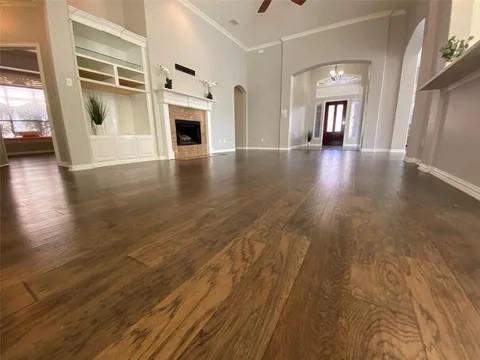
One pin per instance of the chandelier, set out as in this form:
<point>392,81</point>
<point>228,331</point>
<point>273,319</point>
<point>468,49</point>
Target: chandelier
<point>336,74</point>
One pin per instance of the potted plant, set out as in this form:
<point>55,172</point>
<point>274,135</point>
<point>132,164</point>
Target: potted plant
<point>454,48</point>
<point>309,137</point>
<point>97,110</point>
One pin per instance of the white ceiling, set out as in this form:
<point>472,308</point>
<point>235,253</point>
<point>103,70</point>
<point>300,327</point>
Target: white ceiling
<point>283,17</point>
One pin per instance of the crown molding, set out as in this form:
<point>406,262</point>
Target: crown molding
<point>348,22</point>
<point>264,45</point>
<point>229,35</point>
<point>212,22</point>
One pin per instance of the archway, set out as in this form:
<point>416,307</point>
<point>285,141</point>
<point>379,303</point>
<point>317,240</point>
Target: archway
<point>240,110</point>
<point>408,88</point>
<point>313,90</point>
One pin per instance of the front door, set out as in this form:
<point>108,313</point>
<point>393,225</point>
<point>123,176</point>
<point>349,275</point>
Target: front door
<point>334,123</point>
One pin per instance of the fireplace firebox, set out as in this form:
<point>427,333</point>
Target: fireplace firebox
<point>188,132</point>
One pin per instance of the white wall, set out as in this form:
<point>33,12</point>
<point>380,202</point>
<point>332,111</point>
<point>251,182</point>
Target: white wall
<point>177,35</point>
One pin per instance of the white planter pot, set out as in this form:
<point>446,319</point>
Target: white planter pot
<point>99,130</point>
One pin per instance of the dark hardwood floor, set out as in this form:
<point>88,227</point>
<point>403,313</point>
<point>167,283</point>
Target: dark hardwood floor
<point>254,255</point>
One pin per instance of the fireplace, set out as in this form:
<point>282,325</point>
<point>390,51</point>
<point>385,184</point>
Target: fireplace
<point>188,132</point>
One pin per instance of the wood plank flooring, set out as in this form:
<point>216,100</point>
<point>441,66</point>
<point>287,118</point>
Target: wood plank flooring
<point>253,255</point>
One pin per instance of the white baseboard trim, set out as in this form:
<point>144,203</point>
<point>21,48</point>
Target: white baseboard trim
<point>259,148</point>
<point>460,184</point>
<point>63,164</point>
<point>374,150</point>
<point>110,163</point>
<point>397,151</point>
<point>219,151</point>
<point>412,160</point>
<point>425,168</point>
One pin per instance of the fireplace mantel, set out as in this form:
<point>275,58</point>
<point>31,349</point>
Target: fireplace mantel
<point>166,97</point>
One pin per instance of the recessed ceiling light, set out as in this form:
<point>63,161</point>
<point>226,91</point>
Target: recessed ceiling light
<point>233,22</point>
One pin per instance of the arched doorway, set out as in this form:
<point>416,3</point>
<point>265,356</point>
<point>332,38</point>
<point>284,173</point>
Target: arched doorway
<point>408,88</point>
<point>240,106</point>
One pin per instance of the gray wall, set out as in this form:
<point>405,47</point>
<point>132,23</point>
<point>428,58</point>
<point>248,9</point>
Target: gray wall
<point>127,13</point>
<point>263,94</point>
<point>240,99</point>
<point>444,133</point>
<point>176,35</point>
<point>60,40</point>
<point>3,153</point>
<point>379,41</point>
<point>458,144</point>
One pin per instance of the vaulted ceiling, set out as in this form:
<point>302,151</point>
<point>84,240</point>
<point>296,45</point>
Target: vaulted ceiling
<point>283,17</point>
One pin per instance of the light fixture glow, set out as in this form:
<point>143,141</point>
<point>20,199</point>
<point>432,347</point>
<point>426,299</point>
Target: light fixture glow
<point>336,74</point>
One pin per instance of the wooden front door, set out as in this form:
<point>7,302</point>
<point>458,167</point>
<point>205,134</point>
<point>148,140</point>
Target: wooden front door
<point>334,123</point>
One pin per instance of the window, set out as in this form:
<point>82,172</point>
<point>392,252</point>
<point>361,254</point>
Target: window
<point>339,118</point>
<point>23,110</point>
<point>331,112</point>
<point>318,121</point>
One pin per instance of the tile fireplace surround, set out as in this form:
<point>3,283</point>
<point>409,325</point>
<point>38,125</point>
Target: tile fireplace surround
<point>173,105</point>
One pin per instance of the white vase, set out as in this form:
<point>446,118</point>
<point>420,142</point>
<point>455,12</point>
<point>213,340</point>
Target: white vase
<point>99,130</point>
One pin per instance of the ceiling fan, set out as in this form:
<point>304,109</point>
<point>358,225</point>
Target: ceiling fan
<point>266,4</point>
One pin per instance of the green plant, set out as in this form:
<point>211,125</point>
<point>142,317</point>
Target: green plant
<point>309,135</point>
<point>454,47</point>
<point>97,109</point>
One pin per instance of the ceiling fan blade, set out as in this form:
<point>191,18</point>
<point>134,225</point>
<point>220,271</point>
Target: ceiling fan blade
<point>264,6</point>
<point>299,2</point>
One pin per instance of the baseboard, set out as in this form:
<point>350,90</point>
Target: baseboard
<point>259,148</point>
<point>110,163</point>
<point>462,185</point>
<point>63,164</point>
<point>35,152</point>
<point>219,151</point>
<point>425,168</point>
<point>3,165</point>
<point>412,160</point>
<point>374,150</point>
<point>397,151</point>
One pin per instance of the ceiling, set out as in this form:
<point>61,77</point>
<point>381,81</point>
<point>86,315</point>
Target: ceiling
<point>283,17</point>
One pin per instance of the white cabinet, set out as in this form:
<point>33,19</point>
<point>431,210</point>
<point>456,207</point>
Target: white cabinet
<point>122,149</point>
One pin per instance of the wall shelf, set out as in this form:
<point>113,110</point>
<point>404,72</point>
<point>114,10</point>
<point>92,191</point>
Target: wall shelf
<point>467,64</point>
<point>8,68</point>
<point>104,86</point>
<point>94,74</point>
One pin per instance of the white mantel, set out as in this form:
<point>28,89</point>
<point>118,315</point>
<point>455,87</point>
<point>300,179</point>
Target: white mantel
<point>166,97</point>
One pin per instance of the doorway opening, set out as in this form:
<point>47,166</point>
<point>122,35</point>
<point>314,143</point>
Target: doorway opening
<point>408,89</point>
<point>339,88</point>
<point>240,110</point>
<point>334,123</point>
<point>24,118</point>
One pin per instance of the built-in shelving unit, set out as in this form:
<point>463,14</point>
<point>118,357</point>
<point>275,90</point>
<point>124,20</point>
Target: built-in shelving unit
<point>111,63</point>
<point>467,64</point>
